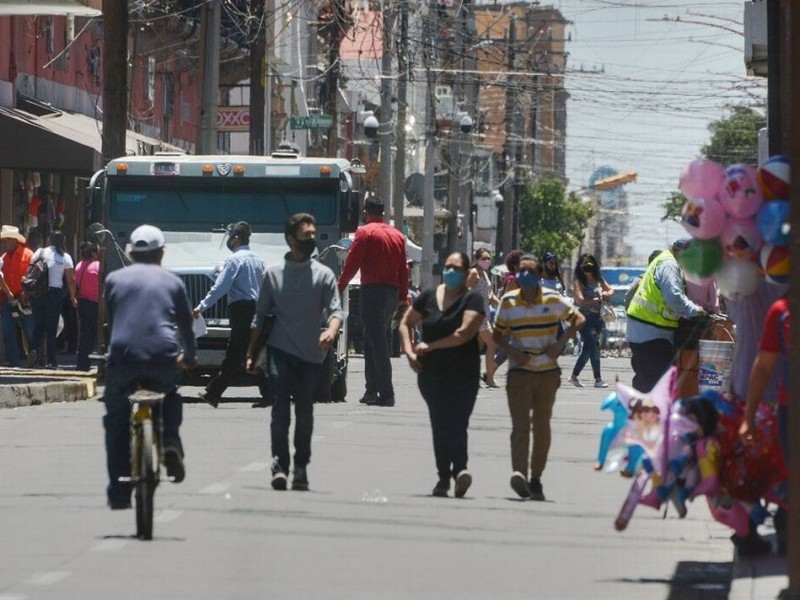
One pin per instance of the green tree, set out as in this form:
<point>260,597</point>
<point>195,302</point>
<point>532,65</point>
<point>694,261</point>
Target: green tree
<point>734,139</point>
<point>673,207</point>
<point>550,219</point>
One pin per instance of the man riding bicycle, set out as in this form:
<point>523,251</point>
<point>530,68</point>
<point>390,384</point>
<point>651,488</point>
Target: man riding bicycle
<point>145,304</point>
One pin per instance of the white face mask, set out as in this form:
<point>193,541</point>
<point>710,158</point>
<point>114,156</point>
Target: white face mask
<point>484,264</point>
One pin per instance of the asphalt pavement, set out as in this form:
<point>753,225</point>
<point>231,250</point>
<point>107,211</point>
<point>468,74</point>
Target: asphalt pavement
<point>368,528</point>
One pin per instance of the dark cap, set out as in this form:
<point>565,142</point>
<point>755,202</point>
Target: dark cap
<point>549,256</point>
<point>681,244</point>
<point>242,229</point>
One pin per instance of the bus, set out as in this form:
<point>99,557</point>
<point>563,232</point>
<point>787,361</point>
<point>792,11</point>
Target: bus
<point>195,199</point>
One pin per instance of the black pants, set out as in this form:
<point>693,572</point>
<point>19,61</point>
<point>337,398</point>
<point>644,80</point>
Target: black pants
<point>378,303</point>
<point>240,315</point>
<point>87,331</point>
<point>46,311</point>
<point>650,360</point>
<point>450,399</point>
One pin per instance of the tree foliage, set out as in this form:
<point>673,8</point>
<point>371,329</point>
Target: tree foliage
<point>734,139</point>
<point>550,219</point>
<point>673,207</point>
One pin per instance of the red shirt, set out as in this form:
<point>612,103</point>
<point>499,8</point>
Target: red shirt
<point>379,250</point>
<point>776,339</point>
<point>14,267</point>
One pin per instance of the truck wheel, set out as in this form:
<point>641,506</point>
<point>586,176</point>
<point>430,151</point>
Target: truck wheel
<point>327,372</point>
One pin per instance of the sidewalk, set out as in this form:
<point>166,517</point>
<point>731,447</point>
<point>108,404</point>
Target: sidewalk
<point>31,387</point>
<point>761,577</point>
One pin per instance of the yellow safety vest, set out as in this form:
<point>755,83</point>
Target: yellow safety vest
<point>648,304</point>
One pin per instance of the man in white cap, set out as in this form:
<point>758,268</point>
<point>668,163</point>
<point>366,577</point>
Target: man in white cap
<point>144,305</point>
<point>15,260</point>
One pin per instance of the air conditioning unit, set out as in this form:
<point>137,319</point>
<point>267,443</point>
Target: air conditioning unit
<point>755,37</point>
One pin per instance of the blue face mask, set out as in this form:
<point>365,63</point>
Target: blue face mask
<point>527,280</point>
<point>453,278</point>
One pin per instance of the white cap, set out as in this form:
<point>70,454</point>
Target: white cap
<point>146,238</point>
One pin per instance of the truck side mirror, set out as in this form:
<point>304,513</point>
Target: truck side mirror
<point>350,211</point>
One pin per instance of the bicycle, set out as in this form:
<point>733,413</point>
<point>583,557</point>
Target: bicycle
<point>146,457</point>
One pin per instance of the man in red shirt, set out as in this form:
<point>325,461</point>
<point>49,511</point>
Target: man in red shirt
<point>379,250</point>
<point>16,258</point>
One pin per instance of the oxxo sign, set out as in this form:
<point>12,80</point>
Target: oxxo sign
<point>233,118</point>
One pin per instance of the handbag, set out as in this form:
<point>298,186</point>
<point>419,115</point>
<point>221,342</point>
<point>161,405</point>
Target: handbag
<point>261,354</point>
<point>607,313</point>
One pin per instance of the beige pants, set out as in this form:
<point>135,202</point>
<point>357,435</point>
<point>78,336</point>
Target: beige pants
<point>530,401</point>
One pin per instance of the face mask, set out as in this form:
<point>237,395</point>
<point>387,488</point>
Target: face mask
<point>484,264</point>
<point>307,247</point>
<point>588,268</point>
<point>527,280</point>
<point>453,278</point>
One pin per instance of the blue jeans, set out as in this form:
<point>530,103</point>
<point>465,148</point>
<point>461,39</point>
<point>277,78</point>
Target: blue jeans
<point>87,331</point>
<point>591,346</point>
<point>292,379</point>
<point>46,311</point>
<point>10,328</point>
<point>450,398</point>
<point>120,381</point>
<point>378,303</point>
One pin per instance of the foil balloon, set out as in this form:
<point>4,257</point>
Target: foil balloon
<point>740,239</point>
<point>770,222</point>
<point>774,177</point>
<point>740,195</point>
<point>737,278</point>
<point>702,178</point>
<point>703,218</point>
<point>776,263</point>
<point>701,258</point>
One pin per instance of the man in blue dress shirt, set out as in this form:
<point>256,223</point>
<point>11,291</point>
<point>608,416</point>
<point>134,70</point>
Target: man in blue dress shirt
<point>240,279</point>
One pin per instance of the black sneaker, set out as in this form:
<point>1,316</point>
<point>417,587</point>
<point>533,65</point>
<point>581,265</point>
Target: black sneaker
<point>119,504</point>
<point>279,479</point>
<point>210,398</point>
<point>369,398</point>
<point>441,488</point>
<point>379,401</point>
<point>751,545</point>
<point>519,485</point>
<point>535,487</point>
<point>173,461</point>
<point>463,481</point>
<point>300,480</point>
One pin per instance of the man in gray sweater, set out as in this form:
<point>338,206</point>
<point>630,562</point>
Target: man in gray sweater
<point>301,294</point>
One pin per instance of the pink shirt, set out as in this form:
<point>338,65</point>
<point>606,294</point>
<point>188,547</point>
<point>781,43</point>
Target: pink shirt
<point>87,278</point>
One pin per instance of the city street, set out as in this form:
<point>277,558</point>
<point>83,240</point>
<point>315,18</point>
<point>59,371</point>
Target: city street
<point>368,528</point>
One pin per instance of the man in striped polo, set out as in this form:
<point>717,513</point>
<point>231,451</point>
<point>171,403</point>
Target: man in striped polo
<point>526,327</point>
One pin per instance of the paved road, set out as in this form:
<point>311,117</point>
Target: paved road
<point>224,533</point>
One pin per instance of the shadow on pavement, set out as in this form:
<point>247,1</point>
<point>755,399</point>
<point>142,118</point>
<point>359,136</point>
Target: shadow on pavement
<point>695,581</point>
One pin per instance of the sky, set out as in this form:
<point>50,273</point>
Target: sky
<point>644,89</point>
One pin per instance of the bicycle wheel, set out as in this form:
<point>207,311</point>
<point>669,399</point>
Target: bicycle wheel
<point>145,481</point>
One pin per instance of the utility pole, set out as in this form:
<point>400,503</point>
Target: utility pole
<point>398,194</point>
<point>333,37</point>
<point>209,76</point>
<point>470,86</point>
<point>454,187</point>
<point>385,114</point>
<point>428,206</point>
<point>509,151</point>
<point>258,75</point>
<point>115,78</point>
<point>788,23</point>
<point>269,52</point>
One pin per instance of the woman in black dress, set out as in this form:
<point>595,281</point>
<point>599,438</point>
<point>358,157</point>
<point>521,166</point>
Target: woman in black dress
<point>447,361</point>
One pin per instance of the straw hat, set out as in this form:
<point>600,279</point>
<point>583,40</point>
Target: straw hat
<point>11,233</point>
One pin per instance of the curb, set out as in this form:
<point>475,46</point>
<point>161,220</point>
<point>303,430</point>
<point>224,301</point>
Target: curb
<point>45,392</point>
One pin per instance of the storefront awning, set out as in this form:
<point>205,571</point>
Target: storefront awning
<point>46,7</point>
<point>60,142</point>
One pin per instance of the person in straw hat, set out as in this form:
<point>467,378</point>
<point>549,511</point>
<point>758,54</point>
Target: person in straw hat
<point>15,260</point>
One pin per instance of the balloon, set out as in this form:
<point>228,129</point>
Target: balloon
<point>740,195</point>
<point>776,262</point>
<point>740,239</point>
<point>703,218</point>
<point>770,221</point>
<point>774,177</point>
<point>738,278</point>
<point>702,258</point>
<point>702,178</point>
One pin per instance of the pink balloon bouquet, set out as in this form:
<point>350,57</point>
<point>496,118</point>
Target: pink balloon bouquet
<point>741,196</point>
<point>740,239</point>
<point>703,218</point>
<point>702,178</point>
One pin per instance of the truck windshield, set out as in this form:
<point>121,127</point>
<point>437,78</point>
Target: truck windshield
<point>190,202</point>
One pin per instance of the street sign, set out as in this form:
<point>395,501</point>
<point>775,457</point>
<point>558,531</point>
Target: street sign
<point>233,118</point>
<point>314,121</point>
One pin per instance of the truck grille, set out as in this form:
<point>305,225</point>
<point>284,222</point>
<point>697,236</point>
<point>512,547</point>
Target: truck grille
<point>197,286</point>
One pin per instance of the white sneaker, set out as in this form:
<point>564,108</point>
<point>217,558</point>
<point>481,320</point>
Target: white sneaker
<point>520,485</point>
<point>600,384</point>
<point>575,382</point>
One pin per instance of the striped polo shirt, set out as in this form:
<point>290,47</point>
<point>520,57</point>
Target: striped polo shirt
<point>533,326</point>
